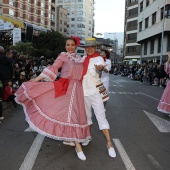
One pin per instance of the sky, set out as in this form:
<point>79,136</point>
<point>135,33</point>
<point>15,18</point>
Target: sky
<point>109,16</point>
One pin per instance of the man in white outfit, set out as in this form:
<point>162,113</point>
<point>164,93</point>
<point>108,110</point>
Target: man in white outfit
<point>93,65</point>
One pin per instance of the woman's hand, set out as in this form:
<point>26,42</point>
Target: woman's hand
<point>32,80</point>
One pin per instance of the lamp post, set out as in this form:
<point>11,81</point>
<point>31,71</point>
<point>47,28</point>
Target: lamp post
<point>162,41</point>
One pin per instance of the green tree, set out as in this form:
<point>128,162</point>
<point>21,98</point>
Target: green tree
<point>50,44</point>
<point>25,47</point>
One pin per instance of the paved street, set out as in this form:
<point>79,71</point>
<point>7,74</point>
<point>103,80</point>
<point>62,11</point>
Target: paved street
<point>141,136</point>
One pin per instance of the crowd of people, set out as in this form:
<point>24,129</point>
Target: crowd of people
<point>154,74</point>
<point>61,108</point>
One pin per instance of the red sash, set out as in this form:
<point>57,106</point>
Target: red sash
<point>61,86</point>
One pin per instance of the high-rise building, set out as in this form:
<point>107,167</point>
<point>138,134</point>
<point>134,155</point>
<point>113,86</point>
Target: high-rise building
<point>131,48</point>
<point>154,30</point>
<point>80,21</point>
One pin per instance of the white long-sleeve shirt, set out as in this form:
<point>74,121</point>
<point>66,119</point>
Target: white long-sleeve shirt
<point>91,78</point>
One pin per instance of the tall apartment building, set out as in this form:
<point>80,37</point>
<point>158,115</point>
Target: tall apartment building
<point>132,49</point>
<point>80,20</point>
<point>151,24</point>
<point>28,11</point>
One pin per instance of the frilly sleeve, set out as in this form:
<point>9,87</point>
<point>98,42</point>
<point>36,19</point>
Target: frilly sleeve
<point>50,73</point>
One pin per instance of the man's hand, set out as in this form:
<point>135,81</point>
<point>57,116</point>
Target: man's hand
<point>99,67</point>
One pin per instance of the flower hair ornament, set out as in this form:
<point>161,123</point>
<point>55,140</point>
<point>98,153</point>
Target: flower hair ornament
<point>77,40</point>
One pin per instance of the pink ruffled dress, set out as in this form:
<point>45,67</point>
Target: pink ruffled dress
<point>164,104</point>
<point>61,118</point>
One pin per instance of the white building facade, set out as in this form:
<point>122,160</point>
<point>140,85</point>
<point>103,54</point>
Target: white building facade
<point>154,30</point>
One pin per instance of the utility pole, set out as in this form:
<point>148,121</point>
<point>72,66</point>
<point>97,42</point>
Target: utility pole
<point>162,42</point>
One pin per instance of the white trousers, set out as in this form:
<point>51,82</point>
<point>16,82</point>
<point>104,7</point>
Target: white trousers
<point>95,102</point>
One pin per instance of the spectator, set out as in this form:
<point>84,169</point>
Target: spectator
<point>8,94</point>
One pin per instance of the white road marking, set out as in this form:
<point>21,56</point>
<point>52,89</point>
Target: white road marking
<point>149,96</point>
<point>123,154</point>
<point>28,130</point>
<point>162,124</point>
<point>32,153</point>
<point>118,92</point>
<point>154,162</point>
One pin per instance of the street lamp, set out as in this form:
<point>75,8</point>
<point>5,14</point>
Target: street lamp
<point>162,41</point>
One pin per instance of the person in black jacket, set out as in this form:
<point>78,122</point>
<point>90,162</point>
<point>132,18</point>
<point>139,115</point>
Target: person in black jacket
<point>5,73</point>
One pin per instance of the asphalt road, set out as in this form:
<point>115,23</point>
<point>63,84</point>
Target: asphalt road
<point>141,136</point>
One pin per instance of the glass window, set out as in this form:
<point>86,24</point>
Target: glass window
<point>146,22</point>
<point>145,48</point>
<point>152,47</point>
<point>154,18</point>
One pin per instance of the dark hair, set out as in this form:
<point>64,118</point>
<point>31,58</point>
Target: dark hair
<point>107,53</point>
<point>71,39</point>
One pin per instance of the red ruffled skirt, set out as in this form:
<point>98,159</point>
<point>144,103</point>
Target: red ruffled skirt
<point>61,118</point>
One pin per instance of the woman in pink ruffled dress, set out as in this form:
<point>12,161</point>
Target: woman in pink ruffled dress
<point>164,104</point>
<point>56,108</point>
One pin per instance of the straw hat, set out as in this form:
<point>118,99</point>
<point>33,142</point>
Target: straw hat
<point>89,42</point>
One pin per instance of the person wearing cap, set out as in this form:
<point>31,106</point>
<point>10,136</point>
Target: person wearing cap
<point>93,66</point>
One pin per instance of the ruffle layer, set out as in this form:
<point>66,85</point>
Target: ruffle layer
<point>164,104</point>
<point>48,125</point>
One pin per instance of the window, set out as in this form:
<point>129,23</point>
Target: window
<point>146,22</point>
<point>141,6</point>
<point>21,15</point>
<point>152,47</point>
<point>132,24</point>
<point>168,42</point>
<point>72,31</point>
<point>60,21</point>
<point>80,26</point>
<point>147,3</point>
<point>42,5</point>
<point>132,36</point>
<point>60,1</point>
<point>11,12</point>
<point>21,6</point>
<point>28,17</point>
<point>131,49</point>
<point>132,1</point>
<point>133,11</point>
<point>153,18</point>
<point>72,19</point>
<point>145,48</point>
<point>140,26</point>
<point>159,44</point>
<point>28,8</point>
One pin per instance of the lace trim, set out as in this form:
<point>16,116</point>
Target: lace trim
<point>44,115</point>
<point>71,103</point>
<point>74,57</point>
<point>33,127</point>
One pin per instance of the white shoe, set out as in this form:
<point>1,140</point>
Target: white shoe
<point>86,142</point>
<point>112,152</point>
<point>70,143</point>
<point>81,155</point>
<point>1,118</point>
